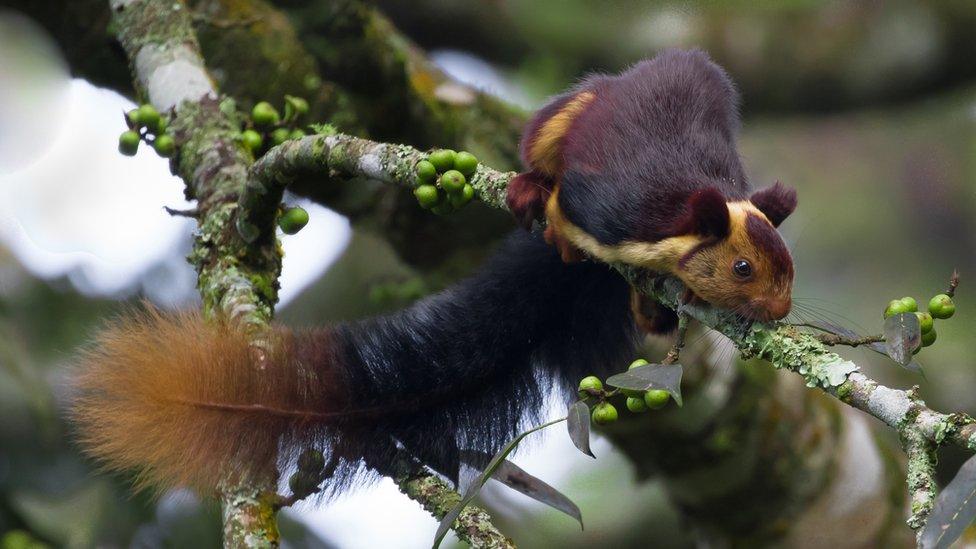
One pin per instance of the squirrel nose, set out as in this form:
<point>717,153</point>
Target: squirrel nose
<point>778,307</point>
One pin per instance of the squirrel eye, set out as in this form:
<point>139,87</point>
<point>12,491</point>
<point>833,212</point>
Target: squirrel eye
<point>742,268</point>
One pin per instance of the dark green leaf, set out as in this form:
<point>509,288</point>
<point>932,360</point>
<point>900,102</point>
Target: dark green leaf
<point>578,424</point>
<point>902,336</point>
<point>652,376</point>
<point>475,486</point>
<point>518,479</point>
<point>954,510</point>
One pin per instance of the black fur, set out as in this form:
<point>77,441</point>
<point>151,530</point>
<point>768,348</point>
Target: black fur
<point>475,362</point>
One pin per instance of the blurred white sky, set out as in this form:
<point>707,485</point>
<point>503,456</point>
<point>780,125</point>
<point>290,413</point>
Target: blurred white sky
<point>71,205</point>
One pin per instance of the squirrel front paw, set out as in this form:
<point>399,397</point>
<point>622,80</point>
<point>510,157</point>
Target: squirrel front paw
<point>651,316</point>
<point>526,197</point>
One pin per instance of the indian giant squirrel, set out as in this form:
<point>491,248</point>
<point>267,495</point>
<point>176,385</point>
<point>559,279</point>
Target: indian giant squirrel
<point>640,168</point>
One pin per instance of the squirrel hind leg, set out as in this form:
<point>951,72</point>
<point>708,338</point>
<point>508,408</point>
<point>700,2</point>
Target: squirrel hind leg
<point>526,197</point>
<point>651,316</point>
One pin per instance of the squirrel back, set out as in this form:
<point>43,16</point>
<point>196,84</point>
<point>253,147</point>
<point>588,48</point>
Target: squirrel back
<point>181,401</point>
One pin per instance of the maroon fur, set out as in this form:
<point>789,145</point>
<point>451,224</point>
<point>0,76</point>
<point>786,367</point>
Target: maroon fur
<point>776,202</point>
<point>526,197</point>
<point>705,213</point>
<point>774,251</point>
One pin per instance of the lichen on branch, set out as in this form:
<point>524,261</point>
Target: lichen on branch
<point>237,280</point>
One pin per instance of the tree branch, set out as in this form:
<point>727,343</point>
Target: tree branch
<point>237,280</point>
<point>410,99</point>
<point>785,346</point>
<point>472,526</point>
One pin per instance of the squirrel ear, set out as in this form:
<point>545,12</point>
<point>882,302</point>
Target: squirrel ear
<point>706,214</point>
<point>776,202</point>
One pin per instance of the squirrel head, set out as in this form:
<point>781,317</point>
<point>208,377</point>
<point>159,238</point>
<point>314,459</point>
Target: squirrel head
<point>740,262</point>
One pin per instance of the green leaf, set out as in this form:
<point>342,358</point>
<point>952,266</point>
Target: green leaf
<point>476,486</point>
<point>954,510</point>
<point>652,376</point>
<point>578,425</point>
<point>903,334</point>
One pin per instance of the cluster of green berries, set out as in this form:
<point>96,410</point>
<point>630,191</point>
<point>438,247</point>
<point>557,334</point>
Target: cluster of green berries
<point>940,307</point>
<point>443,179</point>
<point>292,220</point>
<point>637,402</point>
<point>146,124</point>
<point>267,128</point>
<point>305,481</point>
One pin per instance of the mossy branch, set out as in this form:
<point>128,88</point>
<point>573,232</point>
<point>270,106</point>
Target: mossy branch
<point>236,279</point>
<point>785,346</point>
<point>472,526</point>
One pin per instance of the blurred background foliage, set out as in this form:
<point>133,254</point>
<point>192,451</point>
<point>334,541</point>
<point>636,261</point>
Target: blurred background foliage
<point>867,108</point>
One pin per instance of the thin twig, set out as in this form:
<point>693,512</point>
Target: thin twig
<point>835,339</point>
<point>679,343</point>
<point>953,283</point>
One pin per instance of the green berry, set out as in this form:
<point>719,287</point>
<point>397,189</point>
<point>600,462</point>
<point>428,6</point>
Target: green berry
<point>149,116</point>
<point>896,306</point>
<point>656,398</point>
<point>311,461</point>
<point>160,126</point>
<point>604,413</point>
<point>129,142</point>
<point>466,163</point>
<point>443,159</point>
<point>164,145</point>
<point>461,198</point>
<point>452,181</point>
<point>296,134</point>
<point>638,363</point>
<point>295,107</point>
<point>252,140</point>
<point>928,338</point>
<point>427,196</point>
<point>293,220</point>
<point>133,118</point>
<point>910,303</point>
<point>942,306</point>
<point>426,172</point>
<point>589,383</point>
<point>636,404</point>
<point>280,135</point>
<point>264,115</point>
<point>925,322</point>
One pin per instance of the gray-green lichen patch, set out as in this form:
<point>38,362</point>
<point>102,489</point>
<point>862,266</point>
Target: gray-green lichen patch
<point>788,348</point>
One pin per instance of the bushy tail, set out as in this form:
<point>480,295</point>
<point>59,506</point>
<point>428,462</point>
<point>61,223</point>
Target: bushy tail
<point>181,401</point>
